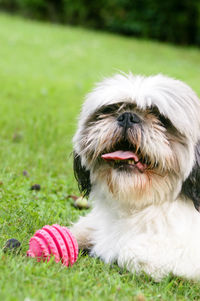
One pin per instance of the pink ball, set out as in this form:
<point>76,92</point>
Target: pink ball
<point>54,241</point>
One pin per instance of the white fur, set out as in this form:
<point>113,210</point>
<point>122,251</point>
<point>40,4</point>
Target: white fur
<point>157,240</point>
<point>159,232</point>
<point>174,99</point>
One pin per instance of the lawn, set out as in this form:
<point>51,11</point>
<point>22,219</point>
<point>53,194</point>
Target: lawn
<point>45,71</point>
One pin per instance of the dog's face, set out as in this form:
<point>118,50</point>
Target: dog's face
<point>136,138</point>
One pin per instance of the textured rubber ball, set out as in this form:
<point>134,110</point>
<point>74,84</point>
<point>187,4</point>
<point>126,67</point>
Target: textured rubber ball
<point>54,241</point>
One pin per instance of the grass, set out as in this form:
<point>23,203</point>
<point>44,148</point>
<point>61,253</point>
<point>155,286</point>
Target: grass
<point>45,71</point>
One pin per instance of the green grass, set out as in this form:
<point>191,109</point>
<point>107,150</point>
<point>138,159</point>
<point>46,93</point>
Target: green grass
<point>45,71</point>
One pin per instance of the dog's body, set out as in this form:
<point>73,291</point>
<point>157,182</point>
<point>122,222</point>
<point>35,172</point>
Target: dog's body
<point>157,240</point>
<point>137,157</point>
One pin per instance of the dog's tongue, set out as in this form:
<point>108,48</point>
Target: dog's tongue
<point>121,155</point>
<point>125,155</point>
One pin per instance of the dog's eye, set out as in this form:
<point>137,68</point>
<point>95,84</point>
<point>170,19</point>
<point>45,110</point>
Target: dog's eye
<point>108,110</point>
<point>165,121</point>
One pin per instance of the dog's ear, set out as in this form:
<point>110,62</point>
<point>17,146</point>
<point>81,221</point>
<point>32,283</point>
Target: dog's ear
<point>191,187</point>
<point>82,176</point>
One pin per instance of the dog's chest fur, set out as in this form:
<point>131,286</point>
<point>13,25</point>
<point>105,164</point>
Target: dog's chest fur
<point>156,240</point>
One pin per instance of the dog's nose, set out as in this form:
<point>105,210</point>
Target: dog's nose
<point>128,119</point>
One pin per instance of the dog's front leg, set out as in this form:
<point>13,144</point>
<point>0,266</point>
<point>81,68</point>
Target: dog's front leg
<point>83,231</point>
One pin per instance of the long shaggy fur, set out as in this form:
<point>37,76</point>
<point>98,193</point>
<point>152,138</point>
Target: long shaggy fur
<point>144,218</point>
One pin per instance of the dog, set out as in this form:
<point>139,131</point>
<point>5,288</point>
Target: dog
<point>137,158</point>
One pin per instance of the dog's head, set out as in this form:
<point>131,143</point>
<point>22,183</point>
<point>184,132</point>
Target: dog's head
<point>137,138</point>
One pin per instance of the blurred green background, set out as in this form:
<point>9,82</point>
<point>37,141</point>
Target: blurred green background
<point>171,20</point>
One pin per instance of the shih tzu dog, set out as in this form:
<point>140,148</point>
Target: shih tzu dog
<point>137,157</point>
